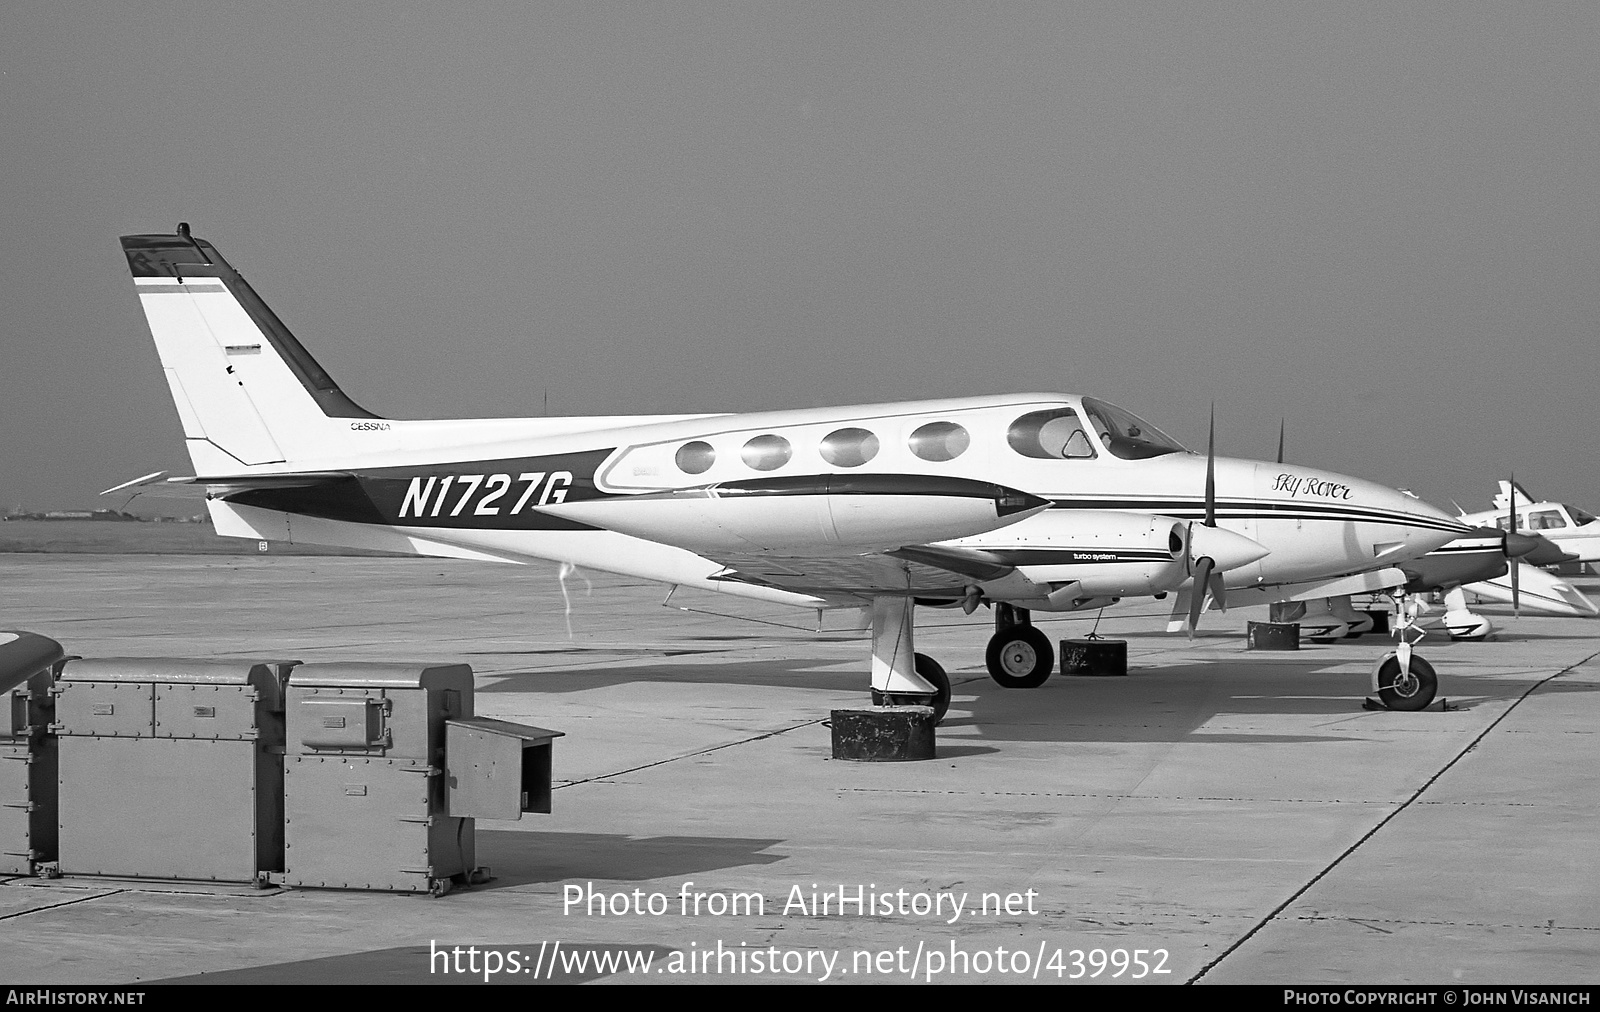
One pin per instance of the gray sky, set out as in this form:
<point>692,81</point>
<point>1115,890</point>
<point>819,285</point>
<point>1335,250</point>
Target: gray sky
<point>1377,220</point>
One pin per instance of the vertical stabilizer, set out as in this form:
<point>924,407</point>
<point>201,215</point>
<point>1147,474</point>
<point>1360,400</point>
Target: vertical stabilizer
<point>247,392</point>
<point>1503,499</point>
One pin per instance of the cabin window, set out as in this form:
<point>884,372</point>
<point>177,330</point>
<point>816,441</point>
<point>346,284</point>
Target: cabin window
<point>849,447</point>
<point>938,441</point>
<point>1546,520</point>
<point>696,457</point>
<point>1055,434</point>
<point>766,453</point>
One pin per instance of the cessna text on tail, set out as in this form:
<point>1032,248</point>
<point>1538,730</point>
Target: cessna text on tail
<point>1026,502</point>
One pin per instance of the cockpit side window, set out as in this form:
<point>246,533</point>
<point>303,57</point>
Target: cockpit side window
<point>1054,434</point>
<point>1546,520</point>
<point>1127,435</point>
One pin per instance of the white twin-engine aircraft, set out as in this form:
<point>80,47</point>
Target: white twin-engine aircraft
<point>1571,529</point>
<point>1031,502</point>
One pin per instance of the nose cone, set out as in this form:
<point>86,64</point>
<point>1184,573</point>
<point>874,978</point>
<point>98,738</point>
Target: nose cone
<point>1421,527</point>
<point>1227,549</point>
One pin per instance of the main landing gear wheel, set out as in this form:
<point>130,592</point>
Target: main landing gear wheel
<point>1020,657</point>
<point>1414,691</point>
<point>931,672</point>
<point>929,669</point>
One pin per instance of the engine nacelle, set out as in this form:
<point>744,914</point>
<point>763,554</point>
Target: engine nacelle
<point>1109,554</point>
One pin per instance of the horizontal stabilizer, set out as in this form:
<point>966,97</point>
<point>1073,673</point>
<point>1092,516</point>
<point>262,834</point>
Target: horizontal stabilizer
<point>149,479</point>
<point>297,479</point>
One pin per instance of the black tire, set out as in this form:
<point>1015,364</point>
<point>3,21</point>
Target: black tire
<point>1416,693</point>
<point>930,671</point>
<point>1020,657</point>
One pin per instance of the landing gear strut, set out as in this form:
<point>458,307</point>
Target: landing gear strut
<point>1019,656</point>
<point>1403,680</point>
<point>901,677</point>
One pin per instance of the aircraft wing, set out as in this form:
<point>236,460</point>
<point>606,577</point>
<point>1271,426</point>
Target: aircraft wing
<point>830,536</point>
<point>915,570</point>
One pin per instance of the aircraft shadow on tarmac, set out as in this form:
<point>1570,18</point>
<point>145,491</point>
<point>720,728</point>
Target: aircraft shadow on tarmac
<point>519,858</point>
<point>782,673</point>
<point>1153,703</point>
<point>420,964</point>
<point>1195,703</point>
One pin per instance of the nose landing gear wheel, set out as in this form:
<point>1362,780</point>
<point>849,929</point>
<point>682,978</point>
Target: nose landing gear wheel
<point>1020,657</point>
<point>1413,691</point>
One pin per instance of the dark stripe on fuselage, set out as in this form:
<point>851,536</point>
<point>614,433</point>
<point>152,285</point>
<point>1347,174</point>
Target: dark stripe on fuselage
<point>1007,500</point>
<point>500,494</point>
<point>1075,556</point>
<point>1256,509</point>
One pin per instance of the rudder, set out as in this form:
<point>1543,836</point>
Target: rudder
<point>246,390</point>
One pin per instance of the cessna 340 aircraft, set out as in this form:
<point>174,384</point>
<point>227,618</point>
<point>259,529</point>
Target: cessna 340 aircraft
<point>1030,502</point>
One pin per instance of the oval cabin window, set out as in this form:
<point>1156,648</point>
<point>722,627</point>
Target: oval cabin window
<point>696,457</point>
<point>766,453</point>
<point>849,447</point>
<point>1055,434</point>
<point>939,441</point>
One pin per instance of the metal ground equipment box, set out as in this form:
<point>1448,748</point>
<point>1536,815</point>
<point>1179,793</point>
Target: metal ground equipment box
<point>28,810</point>
<point>495,769</point>
<point>386,769</point>
<point>364,795</point>
<point>171,768</point>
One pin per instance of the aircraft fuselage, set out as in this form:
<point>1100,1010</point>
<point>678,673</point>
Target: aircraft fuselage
<point>498,492</point>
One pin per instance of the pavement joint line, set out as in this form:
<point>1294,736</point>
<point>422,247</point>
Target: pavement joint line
<point>1369,834</point>
<point>63,903</point>
<point>1367,922</point>
<point>1124,797</point>
<point>690,755</point>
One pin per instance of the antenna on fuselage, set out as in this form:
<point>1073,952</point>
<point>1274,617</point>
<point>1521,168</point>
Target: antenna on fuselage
<point>1280,439</point>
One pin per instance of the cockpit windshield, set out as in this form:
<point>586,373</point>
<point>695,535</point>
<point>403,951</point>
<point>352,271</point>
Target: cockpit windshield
<point>1579,517</point>
<point>1126,434</point>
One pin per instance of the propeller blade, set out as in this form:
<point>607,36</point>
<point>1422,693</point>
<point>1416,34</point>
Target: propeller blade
<point>1516,587</point>
<point>1513,502</point>
<point>1516,581</point>
<point>1219,593</point>
<point>1197,596</point>
<point>1211,469</point>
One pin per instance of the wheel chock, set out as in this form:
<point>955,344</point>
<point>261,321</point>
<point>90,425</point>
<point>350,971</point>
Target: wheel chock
<point>1094,656</point>
<point>1443,704</point>
<point>1272,636</point>
<point>884,733</point>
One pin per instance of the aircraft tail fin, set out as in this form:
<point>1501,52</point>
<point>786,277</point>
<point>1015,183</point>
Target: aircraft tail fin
<point>247,392</point>
<point>1503,499</point>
